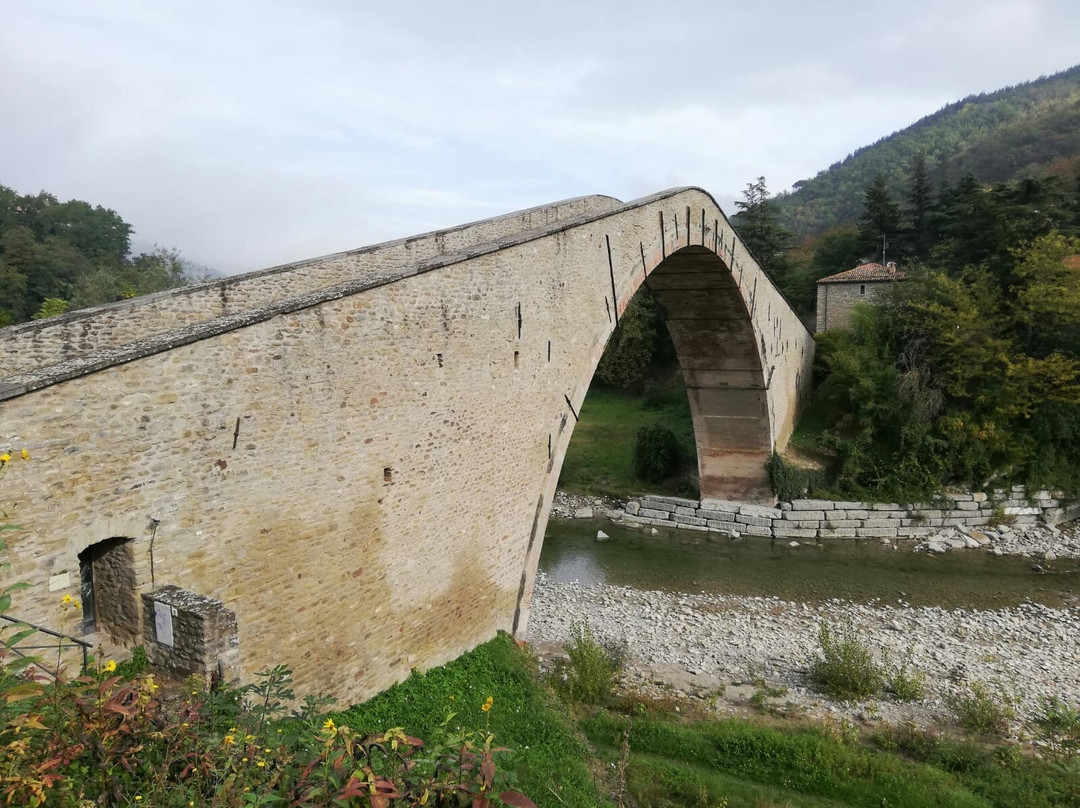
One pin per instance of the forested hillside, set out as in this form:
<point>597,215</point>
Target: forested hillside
<point>60,255</point>
<point>1027,130</point>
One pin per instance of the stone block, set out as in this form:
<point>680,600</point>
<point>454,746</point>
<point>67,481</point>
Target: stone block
<point>856,514</point>
<point>847,506</point>
<point>730,527</point>
<point>720,516</point>
<point>783,531</point>
<point>760,511</point>
<point>889,514</point>
<point>885,506</point>
<point>812,505</point>
<point>837,533</point>
<point>675,501</point>
<point>657,505</point>
<point>720,505</point>
<point>653,514</point>
<point>632,507</point>
<point>682,510</point>
<point>700,528</point>
<point>756,530</point>
<point>843,523</point>
<point>688,520</point>
<point>967,505</point>
<point>802,516</point>
<point>880,523</point>
<point>979,496</point>
<point>876,532</point>
<point>200,637</point>
<point>756,521</point>
<point>960,497</point>
<point>1022,511</point>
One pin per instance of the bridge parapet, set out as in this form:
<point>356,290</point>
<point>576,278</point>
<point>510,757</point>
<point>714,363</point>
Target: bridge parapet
<point>67,338</point>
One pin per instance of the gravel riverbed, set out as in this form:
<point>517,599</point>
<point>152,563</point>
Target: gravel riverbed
<point>700,644</point>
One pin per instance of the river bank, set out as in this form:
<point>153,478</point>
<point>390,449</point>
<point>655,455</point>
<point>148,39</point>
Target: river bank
<point>724,647</point>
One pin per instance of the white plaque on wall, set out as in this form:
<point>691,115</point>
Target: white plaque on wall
<point>163,623</point>
<point>62,580</point>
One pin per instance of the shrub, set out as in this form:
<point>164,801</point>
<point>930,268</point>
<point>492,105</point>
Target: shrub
<point>846,668</point>
<point>791,482</point>
<point>980,711</point>
<point>589,675</point>
<point>906,683</point>
<point>658,455</point>
<point>1058,723</point>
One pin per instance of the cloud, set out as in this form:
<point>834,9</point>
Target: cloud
<point>252,133</point>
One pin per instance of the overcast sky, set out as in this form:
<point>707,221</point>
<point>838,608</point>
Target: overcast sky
<point>249,133</point>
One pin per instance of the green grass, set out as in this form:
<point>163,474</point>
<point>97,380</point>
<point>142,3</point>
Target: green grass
<point>749,765</point>
<point>548,761</point>
<point>599,459</point>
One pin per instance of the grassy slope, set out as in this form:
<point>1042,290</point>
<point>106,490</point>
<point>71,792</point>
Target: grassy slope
<point>599,459</point>
<point>677,763</point>
<point>998,136</point>
<point>674,762</point>
<point>546,751</point>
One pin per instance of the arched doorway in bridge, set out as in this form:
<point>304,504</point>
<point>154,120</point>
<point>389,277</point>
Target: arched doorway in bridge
<point>720,363</point>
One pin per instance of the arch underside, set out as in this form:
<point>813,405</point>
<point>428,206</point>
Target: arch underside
<point>718,352</point>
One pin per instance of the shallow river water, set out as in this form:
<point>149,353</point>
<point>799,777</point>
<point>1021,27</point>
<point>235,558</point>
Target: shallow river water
<point>863,571</point>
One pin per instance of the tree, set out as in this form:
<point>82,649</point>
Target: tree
<point>880,220</point>
<point>758,223</point>
<point>920,201</point>
<point>633,344</point>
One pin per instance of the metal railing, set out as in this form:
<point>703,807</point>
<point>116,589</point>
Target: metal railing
<point>65,641</point>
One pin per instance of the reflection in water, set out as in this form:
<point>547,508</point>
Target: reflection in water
<point>862,571</point>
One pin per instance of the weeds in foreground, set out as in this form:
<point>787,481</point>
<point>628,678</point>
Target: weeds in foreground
<point>589,676</point>
<point>1058,725</point>
<point>846,669</point>
<point>904,682</point>
<point>980,711</point>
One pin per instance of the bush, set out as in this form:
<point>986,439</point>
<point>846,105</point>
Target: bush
<point>589,675</point>
<point>1058,724</point>
<point>980,711</point>
<point>906,683</point>
<point>846,668</point>
<point>791,482</point>
<point>658,455</point>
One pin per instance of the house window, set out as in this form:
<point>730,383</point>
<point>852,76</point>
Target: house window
<point>862,288</point>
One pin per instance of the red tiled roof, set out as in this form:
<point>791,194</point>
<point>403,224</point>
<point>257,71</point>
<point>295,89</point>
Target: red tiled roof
<point>866,272</point>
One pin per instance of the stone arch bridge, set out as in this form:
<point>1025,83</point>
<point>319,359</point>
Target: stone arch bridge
<point>356,454</point>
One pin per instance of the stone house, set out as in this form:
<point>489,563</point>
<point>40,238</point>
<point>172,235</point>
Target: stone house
<point>838,294</point>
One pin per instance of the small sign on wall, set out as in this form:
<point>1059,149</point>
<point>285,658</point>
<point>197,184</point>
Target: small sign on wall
<point>163,623</point>
<point>61,580</point>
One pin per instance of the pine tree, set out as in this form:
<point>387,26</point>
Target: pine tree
<point>920,202</point>
<point>880,219</point>
<point>758,223</point>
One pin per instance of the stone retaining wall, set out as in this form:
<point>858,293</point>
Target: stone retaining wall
<point>829,519</point>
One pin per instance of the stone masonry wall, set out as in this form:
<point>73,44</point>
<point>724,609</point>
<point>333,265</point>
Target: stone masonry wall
<point>204,634</point>
<point>829,519</point>
<point>363,477</point>
<point>836,301</point>
<point>42,343</point>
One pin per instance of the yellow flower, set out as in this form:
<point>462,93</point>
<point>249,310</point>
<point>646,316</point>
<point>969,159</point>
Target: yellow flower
<point>25,455</point>
<point>487,704</point>
<point>261,764</point>
<point>329,725</point>
<point>67,599</point>
<point>110,666</point>
<point>4,458</point>
<point>243,760</point>
<point>228,740</point>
